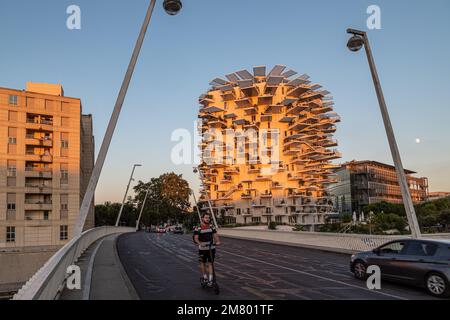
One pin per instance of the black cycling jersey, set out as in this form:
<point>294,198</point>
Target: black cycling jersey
<point>205,235</point>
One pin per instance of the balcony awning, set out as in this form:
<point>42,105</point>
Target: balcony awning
<point>212,109</point>
<point>243,103</point>
<point>232,77</point>
<point>297,109</point>
<point>277,70</point>
<point>274,81</point>
<point>230,116</point>
<point>245,75</point>
<point>259,71</point>
<point>287,119</point>
<point>274,109</point>
<point>265,100</point>
<point>298,91</point>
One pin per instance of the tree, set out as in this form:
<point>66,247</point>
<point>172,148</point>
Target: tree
<point>106,214</point>
<point>168,199</point>
<point>389,221</point>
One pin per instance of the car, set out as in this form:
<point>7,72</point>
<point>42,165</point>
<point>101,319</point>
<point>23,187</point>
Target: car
<point>422,263</point>
<point>161,229</point>
<point>178,230</point>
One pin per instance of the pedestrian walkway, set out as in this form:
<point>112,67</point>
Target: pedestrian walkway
<point>103,277</point>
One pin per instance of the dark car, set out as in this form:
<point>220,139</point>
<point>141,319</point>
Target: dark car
<point>178,230</point>
<point>422,263</point>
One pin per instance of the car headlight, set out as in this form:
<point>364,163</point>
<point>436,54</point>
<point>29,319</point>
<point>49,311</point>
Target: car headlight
<point>353,257</point>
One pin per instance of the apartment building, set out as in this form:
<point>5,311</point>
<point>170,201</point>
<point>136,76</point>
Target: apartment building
<point>46,159</point>
<point>361,183</point>
<point>266,147</point>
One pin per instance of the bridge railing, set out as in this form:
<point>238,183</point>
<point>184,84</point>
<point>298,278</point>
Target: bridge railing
<point>49,281</point>
<point>348,243</point>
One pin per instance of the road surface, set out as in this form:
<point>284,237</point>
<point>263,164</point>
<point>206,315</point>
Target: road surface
<point>164,267</point>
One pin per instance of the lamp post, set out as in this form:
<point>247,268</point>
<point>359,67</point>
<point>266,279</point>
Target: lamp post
<point>172,7</point>
<point>196,205</point>
<point>142,209</point>
<point>358,40</point>
<point>196,170</point>
<point>126,193</point>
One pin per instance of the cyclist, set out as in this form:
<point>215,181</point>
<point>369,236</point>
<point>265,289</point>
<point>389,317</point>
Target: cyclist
<point>206,237</point>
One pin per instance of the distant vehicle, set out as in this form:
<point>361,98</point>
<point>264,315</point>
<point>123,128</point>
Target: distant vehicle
<point>161,229</point>
<point>178,230</point>
<point>422,263</point>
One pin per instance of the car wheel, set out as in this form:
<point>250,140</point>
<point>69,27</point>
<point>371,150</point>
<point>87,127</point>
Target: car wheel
<point>360,270</point>
<point>437,285</point>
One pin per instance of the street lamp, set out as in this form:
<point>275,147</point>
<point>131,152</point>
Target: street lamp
<point>142,209</point>
<point>196,205</point>
<point>172,7</point>
<point>356,42</point>
<point>196,170</point>
<point>126,193</point>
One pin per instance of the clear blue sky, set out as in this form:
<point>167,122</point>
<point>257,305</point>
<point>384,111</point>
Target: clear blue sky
<point>211,38</point>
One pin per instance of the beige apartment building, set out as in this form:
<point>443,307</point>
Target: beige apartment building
<point>46,159</point>
<point>266,148</point>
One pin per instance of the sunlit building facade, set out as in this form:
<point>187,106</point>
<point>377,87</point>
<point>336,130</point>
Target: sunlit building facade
<point>361,183</point>
<point>46,159</point>
<point>267,146</point>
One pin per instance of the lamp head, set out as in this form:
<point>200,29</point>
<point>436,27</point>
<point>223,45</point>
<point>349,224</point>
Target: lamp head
<point>172,7</point>
<point>355,43</point>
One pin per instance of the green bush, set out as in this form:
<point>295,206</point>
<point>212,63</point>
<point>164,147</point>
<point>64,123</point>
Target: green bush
<point>273,225</point>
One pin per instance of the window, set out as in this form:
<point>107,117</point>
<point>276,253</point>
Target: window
<point>64,144</point>
<point>64,140</point>
<point>64,173</point>
<point>64,200</point>
<point>13,100</point>
<point>11,201</point>
<point>46,215</point>
<point>238,211</point>
<point>393,248</point>
<point>279,219</point>
<point>12,169</point>
<point>10,234</point>
<point>268,210</point>
<point>12,136</point>
<point>423,249</point>
<point>63,233</point>
<point>256,219</point>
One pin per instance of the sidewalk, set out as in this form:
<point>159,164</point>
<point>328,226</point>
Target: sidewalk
<point>103,276</point>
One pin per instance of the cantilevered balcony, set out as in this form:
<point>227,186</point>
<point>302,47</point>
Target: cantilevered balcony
<point>298,91</point>
<point>36,205</point>
<point>243,103</point>
<point>34,172</point>
<point>32,140</point>
<point>35,188</point>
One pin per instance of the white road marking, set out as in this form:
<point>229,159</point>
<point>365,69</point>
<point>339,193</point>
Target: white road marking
<point>313,275</point>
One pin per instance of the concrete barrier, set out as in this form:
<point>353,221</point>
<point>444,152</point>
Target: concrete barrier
<point>49,281</point>
<point>333,242</point>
